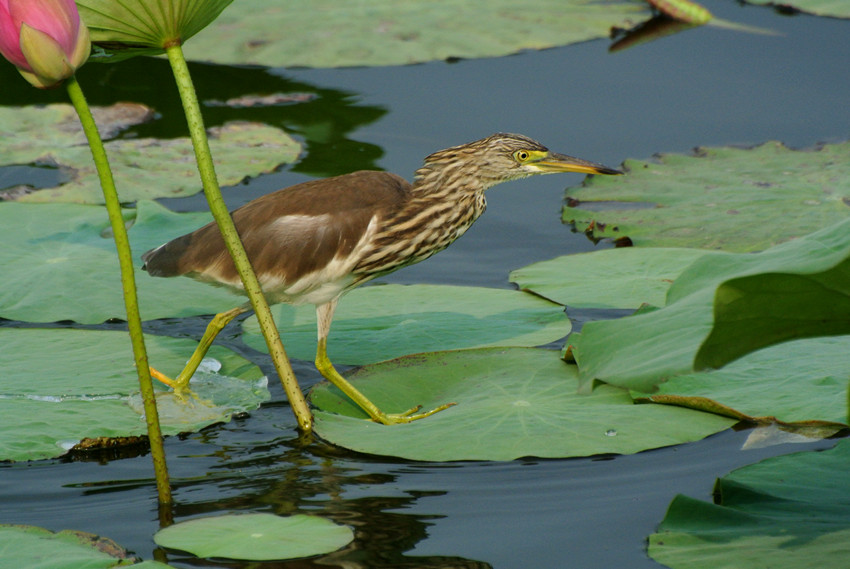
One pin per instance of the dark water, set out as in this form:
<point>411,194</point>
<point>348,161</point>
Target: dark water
<point>707,86</point>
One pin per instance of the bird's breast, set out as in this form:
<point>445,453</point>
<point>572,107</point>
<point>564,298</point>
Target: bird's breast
<point>419,232</point>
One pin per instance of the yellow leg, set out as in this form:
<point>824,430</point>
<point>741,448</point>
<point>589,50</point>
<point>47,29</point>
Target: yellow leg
<point>324,315</point>
<point>180,384</point>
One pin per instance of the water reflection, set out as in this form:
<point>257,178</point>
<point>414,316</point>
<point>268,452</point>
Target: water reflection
<point>246,470</point>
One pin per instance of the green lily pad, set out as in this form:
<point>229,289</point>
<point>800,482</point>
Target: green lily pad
<point>511,403</point>
<point>49,136</point>
<point>803,380</point>
<point>378,323</point>
<point>719,198</point>
<point>784,513</point>
<point>831,8</point>
<point>723,307</point>
<point>255,537</point>
<point>37,548</point>
<point>60,386</point>
<point>625,277</point>
<point>59,263</point>
<point>390,32</point>
<point>51,127</point>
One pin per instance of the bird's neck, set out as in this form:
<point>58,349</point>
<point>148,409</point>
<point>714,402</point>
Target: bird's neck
<point>444,179</point>
<point>446,195</point>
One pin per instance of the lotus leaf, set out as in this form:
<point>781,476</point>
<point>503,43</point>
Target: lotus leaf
<point>137,24</point>
<point>37,548</point>
<point>511,403</point>
<point>626,277</point>
<point>144,168</point>
<point>724,306</point>
<point>795,381</point>
<point>256,537</point>
<point>60,386</point>
<point>733,199</point>
<point>59,263</point>
<point>784,513</point>
<point>381,322</point>
<point>389,32</point>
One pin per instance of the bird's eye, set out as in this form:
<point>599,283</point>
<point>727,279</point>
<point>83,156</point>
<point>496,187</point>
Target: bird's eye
<point>521,155</point>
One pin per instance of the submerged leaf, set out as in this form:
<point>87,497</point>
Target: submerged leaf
<point>377,323</point>
<point>511,403</point>
<point>255,537</point>
<point>719,198</point>
<point>780,434</point>
<point>784,513</point>
<point>213,396</point>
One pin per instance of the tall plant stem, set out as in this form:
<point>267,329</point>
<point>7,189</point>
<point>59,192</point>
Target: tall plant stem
<point>231,238</point>
<point>128,282</point>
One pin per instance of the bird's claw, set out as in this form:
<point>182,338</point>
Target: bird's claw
<point>410,415</point>
<point>181,391</point>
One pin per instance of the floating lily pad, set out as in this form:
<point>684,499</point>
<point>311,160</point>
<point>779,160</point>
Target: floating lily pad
<point>723,307</point>
<point>59,263</point>
<point>612,278</point>
<point>511,403</point>
<point>60,386</point>
<point>381,322</point>
<point>255,537</point>
<point>389,32</point>
<point>33,547</point>
<point>733,199</point>
<point>831,8</point>
<point>784,513</point>
<point>28,131</point>
<point>144,168</point>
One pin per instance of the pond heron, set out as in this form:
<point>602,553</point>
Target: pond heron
<point>314,241</point>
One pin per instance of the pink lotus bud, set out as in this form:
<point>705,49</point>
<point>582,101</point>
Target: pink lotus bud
<point>44,39</point>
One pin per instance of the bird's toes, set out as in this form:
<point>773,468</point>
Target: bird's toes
<point>410,415</point>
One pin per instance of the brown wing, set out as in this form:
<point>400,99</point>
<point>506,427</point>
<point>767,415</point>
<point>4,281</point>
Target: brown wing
<point>288,233</point>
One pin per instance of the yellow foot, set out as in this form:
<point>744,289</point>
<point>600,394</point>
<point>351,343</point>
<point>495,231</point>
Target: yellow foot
<point>410,415</point>
<point>181,391</point>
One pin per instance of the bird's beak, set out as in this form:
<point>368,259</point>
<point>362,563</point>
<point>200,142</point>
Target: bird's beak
<point>554,162</point>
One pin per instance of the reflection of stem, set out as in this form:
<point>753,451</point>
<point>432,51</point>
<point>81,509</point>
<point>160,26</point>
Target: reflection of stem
<point>231,239</point>
<point>128,282</point>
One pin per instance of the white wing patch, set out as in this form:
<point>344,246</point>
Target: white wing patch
<point>322,285</point>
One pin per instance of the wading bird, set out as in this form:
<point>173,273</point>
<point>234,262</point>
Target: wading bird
<point>314,241</point>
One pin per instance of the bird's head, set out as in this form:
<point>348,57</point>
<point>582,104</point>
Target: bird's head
<point>503,157</point>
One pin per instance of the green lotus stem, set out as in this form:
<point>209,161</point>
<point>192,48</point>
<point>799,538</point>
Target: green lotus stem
<point>128,282</point>
<point>231,238</point>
